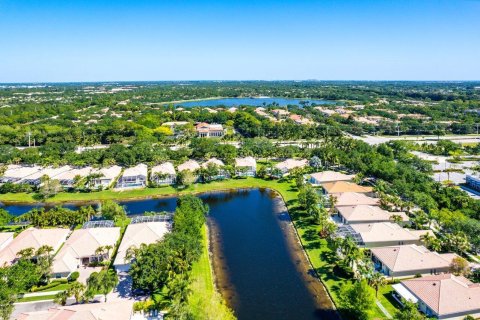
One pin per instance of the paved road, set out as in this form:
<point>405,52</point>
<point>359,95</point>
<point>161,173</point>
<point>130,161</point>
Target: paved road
<point>373,140</point>
<point>33,306</point>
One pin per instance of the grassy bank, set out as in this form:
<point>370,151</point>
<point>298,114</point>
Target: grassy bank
<point>205,302</point>
<point>142,193</point>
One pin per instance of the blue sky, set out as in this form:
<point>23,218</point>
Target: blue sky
<point>100,40</point>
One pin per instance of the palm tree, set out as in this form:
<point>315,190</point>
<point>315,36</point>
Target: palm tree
<point>61,298</point>
<point>333,202</point>
<point>109,281</point>
<point>131,253</point>
<point>108,248</point>
<point>76,290</point>
<point>27,253</point>
<point>377,281</point>
<point>396,218</point>
<point>44,256</point>
<point>100,252</point>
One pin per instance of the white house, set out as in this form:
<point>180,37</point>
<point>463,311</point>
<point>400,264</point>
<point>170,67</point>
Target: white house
<point>107,177</point>
<point>206,130</point>
<point>35,178</point>
<point>163,174</point>
<point>33,238</point>
<point>246,167</point>
<point>134,177</point>
<point>410,260</point>
<point>319,178</point>
<point>67,178</point>
<point>367,214</point>
<point>354,199</point>
<point>137,234</point>
<point>286,166</point>
<point>222,173</point>
<point>115,310</point>
<point>80,249</point>
<point>190,165</point>
<point>16,173</point>
<point>337,187</point>
<point>383,234</point>
<point>443,296</point>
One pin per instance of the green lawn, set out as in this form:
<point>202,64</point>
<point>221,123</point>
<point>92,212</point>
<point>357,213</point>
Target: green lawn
<point>205,302</point>
<point>40,298</point>
<point>386,299</point>
<point>60,286</point>
<point>142,193</point>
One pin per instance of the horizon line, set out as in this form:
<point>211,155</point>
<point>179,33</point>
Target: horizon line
<point>230,80</point>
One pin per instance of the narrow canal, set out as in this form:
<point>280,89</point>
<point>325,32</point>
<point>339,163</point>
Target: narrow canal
<point>260,268</point>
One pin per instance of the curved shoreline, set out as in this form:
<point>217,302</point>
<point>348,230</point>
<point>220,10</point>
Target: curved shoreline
<point>307,266</point>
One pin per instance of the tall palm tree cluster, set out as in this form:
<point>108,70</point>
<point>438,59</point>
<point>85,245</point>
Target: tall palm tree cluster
<point>32,269</point>
<point>163,268</point>
<point>57,216</point>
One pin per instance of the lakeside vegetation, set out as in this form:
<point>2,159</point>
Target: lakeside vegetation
<point>165,269</point>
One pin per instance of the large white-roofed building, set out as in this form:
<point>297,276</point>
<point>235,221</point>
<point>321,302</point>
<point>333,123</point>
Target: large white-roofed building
<point>367,214</point>
<point>289,164</point>
<point>190,165</point>
<point>115,310</point>
<point>219,165</point>
<point>320,178</point>
<point>354,199</point>
<point>384,234</point>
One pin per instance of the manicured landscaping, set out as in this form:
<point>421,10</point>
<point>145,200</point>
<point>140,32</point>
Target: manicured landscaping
<point>37,298</point>
<point>53,286</point>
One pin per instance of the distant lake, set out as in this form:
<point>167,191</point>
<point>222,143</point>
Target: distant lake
<point>233,102</point>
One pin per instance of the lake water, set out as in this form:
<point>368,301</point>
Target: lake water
<point>233,102</point>
<point>259,266</point>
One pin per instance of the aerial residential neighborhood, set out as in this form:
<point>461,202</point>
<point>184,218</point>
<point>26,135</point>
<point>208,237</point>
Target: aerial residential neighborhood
<point>223,160</point>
